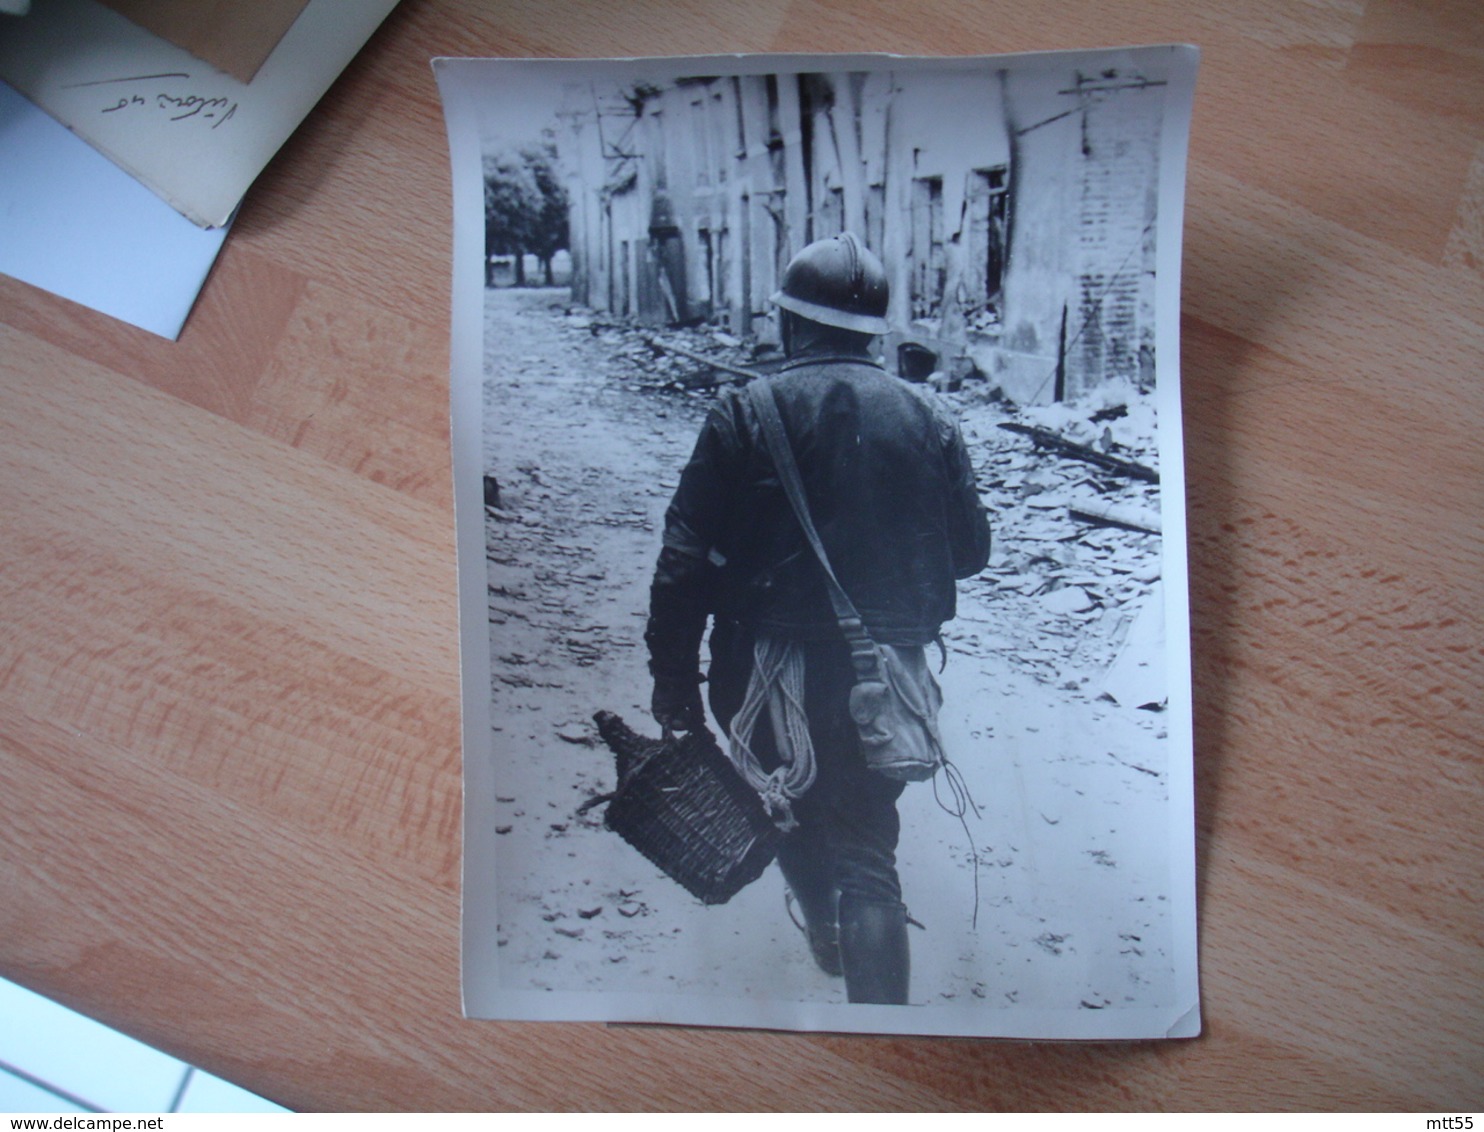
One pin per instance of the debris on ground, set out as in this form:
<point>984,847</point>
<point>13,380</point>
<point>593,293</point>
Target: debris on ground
<point>675,359</point>
<point>1075,513</point>
<point>1054,442</point>
<point>589,421</point>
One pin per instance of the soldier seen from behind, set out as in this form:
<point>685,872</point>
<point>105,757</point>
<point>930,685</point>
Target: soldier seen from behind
<point>891,491</point>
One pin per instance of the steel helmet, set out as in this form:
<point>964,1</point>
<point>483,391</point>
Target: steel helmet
<point>837,281</point>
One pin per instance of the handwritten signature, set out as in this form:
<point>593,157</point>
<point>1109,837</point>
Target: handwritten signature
<point>190,106</point>
<point>178,108</point>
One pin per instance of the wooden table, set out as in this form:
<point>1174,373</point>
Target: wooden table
<point>229,746</point>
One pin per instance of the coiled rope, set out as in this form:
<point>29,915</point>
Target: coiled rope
<point>777,684</point>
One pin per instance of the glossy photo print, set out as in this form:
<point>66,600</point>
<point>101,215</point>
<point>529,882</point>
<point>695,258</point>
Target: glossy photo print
<point>819,493</point>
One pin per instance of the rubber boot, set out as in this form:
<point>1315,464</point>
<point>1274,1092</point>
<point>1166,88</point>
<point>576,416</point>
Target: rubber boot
<point>814,890</point>
<point>874,951</point>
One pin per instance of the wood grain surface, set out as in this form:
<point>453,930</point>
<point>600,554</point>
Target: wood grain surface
<point>229,746</point>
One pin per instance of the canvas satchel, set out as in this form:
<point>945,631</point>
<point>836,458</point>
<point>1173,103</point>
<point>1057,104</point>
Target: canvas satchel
<point>895,700</point>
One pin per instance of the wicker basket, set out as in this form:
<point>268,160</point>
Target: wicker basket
<point>683,805</point>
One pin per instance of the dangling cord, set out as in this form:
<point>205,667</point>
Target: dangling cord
<point>963,802</point>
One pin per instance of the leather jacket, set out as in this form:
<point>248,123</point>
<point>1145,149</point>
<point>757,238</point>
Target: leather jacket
<point>891,491</point>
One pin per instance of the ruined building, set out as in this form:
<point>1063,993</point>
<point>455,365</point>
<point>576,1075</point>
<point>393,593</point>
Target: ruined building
<point>1014,212</point>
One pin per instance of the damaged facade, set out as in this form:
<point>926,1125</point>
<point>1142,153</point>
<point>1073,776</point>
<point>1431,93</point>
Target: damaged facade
<point>1014,214</point>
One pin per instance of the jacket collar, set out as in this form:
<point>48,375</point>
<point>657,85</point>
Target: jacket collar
<point>829,359</point>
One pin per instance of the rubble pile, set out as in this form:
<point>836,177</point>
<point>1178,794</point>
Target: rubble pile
<point>1062,590</point>
<point>1076,535</point>
<point>692,360</point>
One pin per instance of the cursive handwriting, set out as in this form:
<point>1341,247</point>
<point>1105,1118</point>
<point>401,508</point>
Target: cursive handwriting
<point>178,108</point>
<point>122,103</point>
<point>220,108</point>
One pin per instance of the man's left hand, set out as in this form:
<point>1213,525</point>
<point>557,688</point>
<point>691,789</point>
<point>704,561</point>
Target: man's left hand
<point>676,703</point>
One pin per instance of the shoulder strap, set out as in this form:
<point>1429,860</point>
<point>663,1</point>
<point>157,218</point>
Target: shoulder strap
<point>862,648</point>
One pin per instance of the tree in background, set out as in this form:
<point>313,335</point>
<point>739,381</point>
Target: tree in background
<point>512,200</point>
<point>549,232</point>
<point>525,208</point>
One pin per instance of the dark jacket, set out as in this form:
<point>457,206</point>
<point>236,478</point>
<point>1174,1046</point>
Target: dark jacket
<point>891,491</point>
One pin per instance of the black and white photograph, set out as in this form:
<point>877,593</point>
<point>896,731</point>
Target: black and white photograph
<point>821,542</point>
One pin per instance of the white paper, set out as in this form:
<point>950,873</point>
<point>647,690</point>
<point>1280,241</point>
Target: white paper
<point>579,404</point>
<point>192,133</point>
<point>75,224</point>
